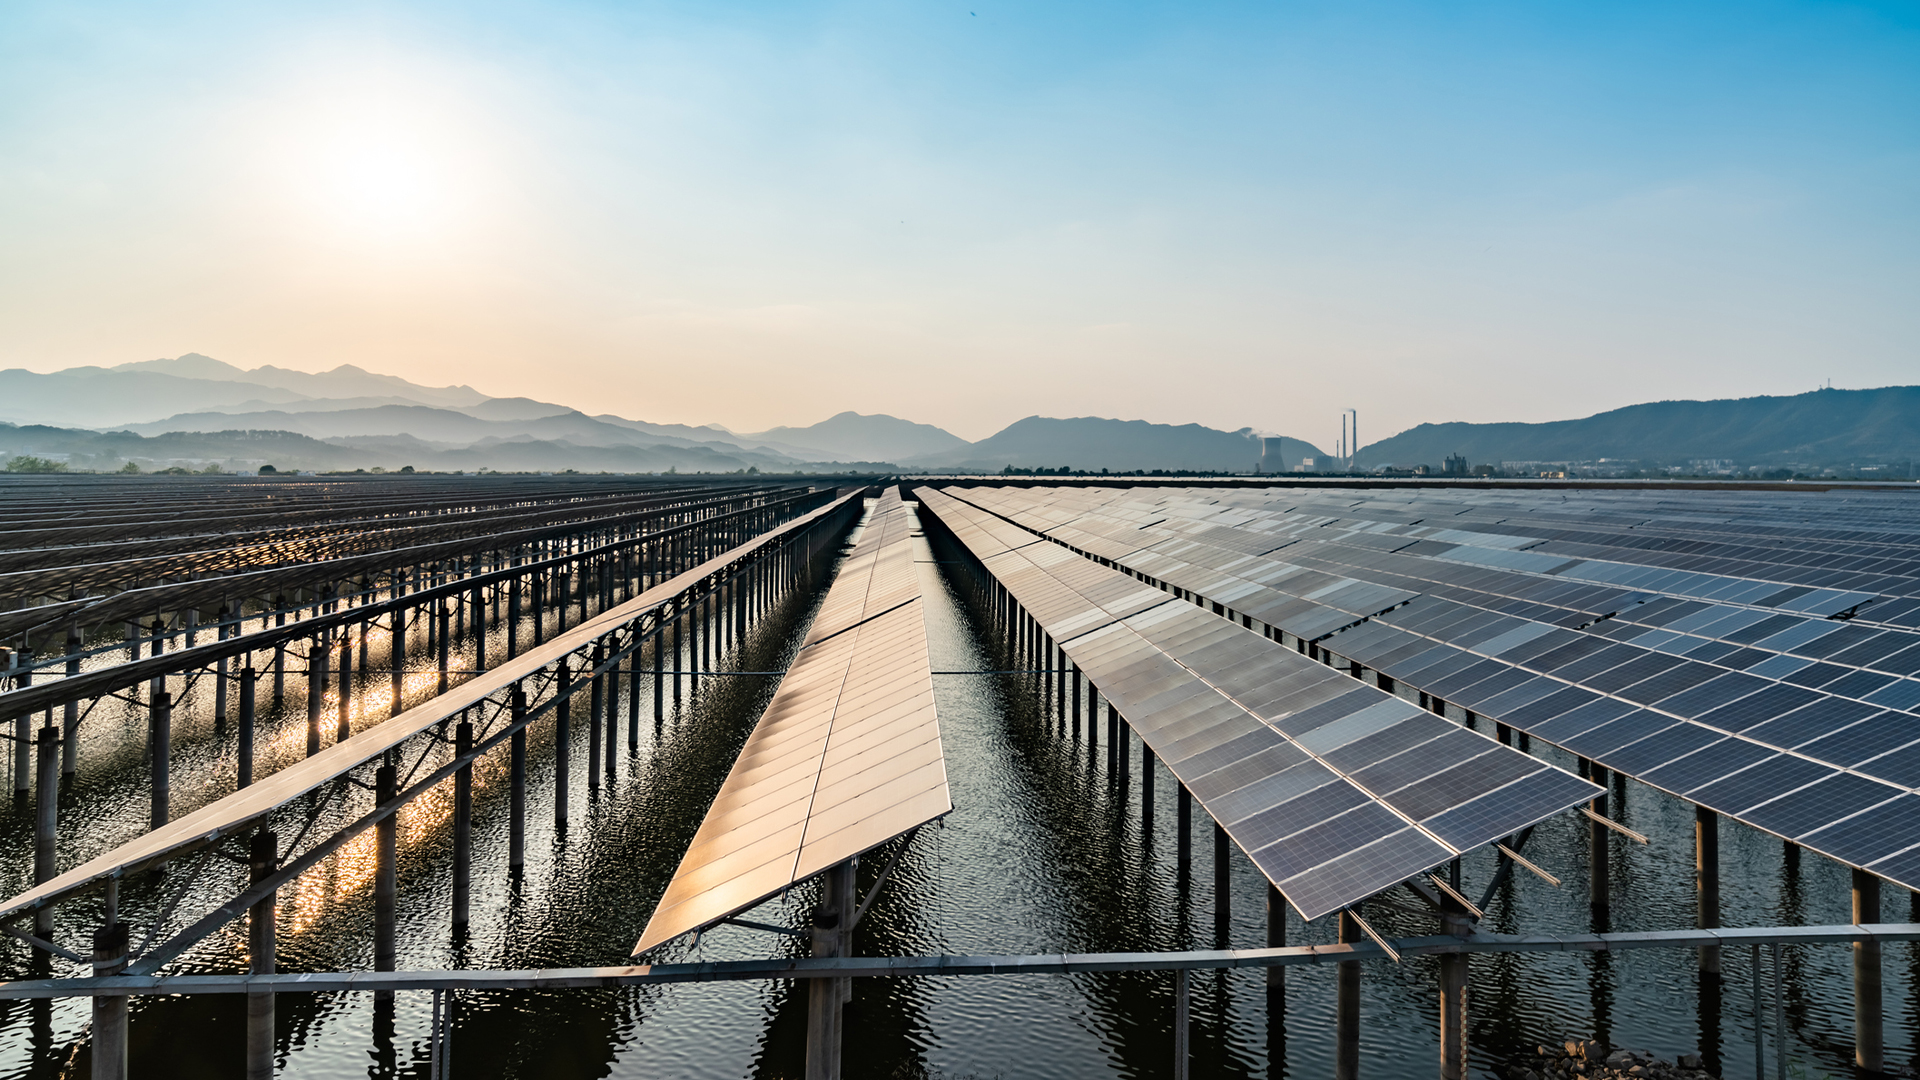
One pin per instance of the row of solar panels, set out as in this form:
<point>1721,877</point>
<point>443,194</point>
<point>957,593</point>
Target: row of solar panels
<point>1863,545</point>
<point>1335,789</point>
<point>1797,725</point>
<point>847,755</point>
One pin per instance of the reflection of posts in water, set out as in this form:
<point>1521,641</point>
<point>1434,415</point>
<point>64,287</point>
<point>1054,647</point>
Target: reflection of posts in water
<point>263,860</point>
<point>1276,1033</point>
<point>1346,1006</point>
<point>1601,984</point>
<point>1712,988</point>
<point>384,1058</point>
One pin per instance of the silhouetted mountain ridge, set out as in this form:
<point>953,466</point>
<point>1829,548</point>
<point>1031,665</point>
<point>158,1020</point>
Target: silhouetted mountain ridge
<point>1818,427</point>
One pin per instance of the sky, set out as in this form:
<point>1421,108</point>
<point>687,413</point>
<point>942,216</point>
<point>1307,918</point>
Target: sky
<point>965,213</point>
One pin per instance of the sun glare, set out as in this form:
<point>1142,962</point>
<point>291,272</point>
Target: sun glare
<point>384,185</point>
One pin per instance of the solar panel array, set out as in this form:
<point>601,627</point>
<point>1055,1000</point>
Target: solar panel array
<point>847,755</point>
<point>1757,653</point>
<point>236,813</point>
<point>1336,790</point>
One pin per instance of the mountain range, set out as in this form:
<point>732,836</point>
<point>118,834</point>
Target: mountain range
<point>193,410</point>
<point>1821,428</point>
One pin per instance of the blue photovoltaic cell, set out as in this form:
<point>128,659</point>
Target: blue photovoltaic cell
<point>1645,755</point>
<point>1608,738</point>
<point>1702,767</point>
<point>1868,738</point>
<point>1800,812</point>
<point>1810,722</point>
<point>1475,823</point>
<point>1860,840</point>
<point>1583,719</point>
<point>1750,787</point>
<point>1756,709</point>
<point>1902,766</point>
<point>1904,694</point>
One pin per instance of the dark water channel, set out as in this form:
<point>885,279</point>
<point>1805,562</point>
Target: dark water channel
<point>1041,854</point>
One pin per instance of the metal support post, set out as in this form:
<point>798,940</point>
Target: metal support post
<point>462,828</point>
<point>1599,892</point>
<point>386,878</point>
<point>1183,828</point>
<point>1346,1006</point>
<point>70,727</point>
<point>397,652</point>
<point>342,729</point>
<point>826,998</point>
<point>110,1013</point>
<point>1276,937</point>
<point>1079,700</point>
<point>249,683</point>
<point>517,782</point>
<point>23,733</point>
<point>444,616</point>
<point>317,653</point>
<point>562,745</point>
<point>596,709</point>
<point>1146,792</point>
<point>160,744</point>
<point>46,823</point>
<point>263,860</point>
<point>1706,865</point>
<point>633,702</point>
<point>1222,887</point>
<point>513,587</point>
<point>1868,1035</point>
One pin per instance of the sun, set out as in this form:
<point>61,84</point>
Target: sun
<point>383,184</point>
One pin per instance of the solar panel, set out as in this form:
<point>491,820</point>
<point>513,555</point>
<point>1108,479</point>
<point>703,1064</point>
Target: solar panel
<point>1755,614</point>
<point>1316,777</point>
<point>847,755</point>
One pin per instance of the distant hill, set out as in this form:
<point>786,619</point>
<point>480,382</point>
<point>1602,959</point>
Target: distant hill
<point>1094,443</point>
<point>194,409</point>
<point>346,380</point>
<point>849,435</point>
<point>107,451</point>
<point>1823,427</point>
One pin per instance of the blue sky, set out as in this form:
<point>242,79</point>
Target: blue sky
<point>1238,215</point>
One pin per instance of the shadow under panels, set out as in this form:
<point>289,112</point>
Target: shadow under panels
<point>847,755</point>
<point>1334,789</point>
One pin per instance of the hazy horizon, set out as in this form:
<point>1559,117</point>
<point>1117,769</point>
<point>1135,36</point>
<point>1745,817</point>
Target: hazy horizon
<point>767,215</point>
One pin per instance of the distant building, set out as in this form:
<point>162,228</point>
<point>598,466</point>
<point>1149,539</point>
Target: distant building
<point>1308,464</point>
<point>1273,458</point>
<point>1423,470</point>
<point>1456,466</point>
